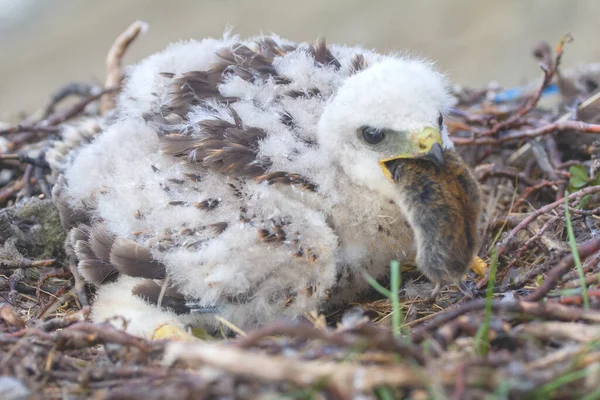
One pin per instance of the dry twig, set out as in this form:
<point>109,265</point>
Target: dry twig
<point>346,377</point>
<point>113,62</point>
<point>49,125</point>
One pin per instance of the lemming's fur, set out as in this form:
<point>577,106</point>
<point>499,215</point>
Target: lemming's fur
<point>446,201</point>
<point>234,169</point>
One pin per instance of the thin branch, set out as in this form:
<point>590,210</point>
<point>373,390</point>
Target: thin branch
<point>525,307</point>
<point>576,126</point>
<point>302,373</point>
<point>114,59</point>
<point>511,235</point>
<point>377,338</point>
<point>531,189</point>
<point>526,245</point>
<point>26,263</point>
<point>586,249</point>
<point>549,70</point>
<point>49,125</point>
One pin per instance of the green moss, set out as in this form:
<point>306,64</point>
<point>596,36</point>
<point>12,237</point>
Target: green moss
<point>48,236</point>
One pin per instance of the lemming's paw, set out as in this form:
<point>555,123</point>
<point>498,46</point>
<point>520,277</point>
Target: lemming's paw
<point>435,292</point>
<point>172,332</point>
<point>461,286</point>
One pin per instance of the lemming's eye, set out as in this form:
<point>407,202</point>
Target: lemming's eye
<point>440,120</point>
<point>372,135</point>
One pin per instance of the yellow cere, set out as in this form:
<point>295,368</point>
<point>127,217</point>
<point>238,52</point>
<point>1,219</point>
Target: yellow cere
<point>422,142</point>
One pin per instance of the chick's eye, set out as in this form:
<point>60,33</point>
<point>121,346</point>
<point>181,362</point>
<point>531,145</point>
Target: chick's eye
<point>440,120</point>
<point>373,135</point>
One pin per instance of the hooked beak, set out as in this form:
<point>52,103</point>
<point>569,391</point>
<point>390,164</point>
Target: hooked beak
<point>435,155</point>
<point>425,145</point>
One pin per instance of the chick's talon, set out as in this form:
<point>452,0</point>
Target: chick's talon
<point>172,332</point>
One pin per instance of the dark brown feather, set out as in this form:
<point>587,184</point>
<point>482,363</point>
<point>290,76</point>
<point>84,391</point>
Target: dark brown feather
<point>286,178</point>
<point>229,149</point>
<point>194,177</point>
<point>314,92</point>
<point>69,217</point>
<point>178,145</point>
<point>237,120</point>
<point>101,242</point>
<point>269,49</point>
<point>216,128</point>
<point>195,88</point>
<point>172,299</point>
<point>82,232</point>
<point>97,272</point>
<point>132,259</point>
<point>276,235</point>
<point>94,270</point>
<point>248,64</point>
<point>208,204</point>
<point>358,64</point>
<point>323,56</point>
<point>218,227</point>
<point>83,250</point>
<point>287,119</point>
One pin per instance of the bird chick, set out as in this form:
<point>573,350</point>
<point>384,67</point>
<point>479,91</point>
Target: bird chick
<point>443,202</point>
<point>259,178</point>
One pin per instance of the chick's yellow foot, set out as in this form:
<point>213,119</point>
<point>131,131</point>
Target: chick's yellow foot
<point>479,266</point>
<point>172,332</point>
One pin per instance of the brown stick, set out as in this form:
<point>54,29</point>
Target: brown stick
<point>26,263</point>
<point>486,171</point>
<point>540,211</point>
<point>378,339</point>
<point>342,376</point>
<point>49,125</point>
<point>577,126</point>
<point>87,334</point>
<point>578,299</point>
<point>8,191</point>
<point>547,310</point>
<point>549,69</point>
<point>529,191</point>
<point>113,62</point>
<point>586,249</point>
<point>525,246</point>
<point>68,320</point>
<point>571,279</point>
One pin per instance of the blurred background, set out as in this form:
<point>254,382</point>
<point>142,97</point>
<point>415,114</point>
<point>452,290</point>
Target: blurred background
<point>45,44</point>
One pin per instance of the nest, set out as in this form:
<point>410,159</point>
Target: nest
<point>532,330</point>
